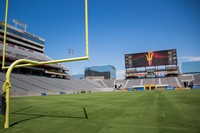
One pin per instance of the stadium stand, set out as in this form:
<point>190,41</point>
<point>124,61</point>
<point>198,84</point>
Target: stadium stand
<point>150,81</point>
<point>187,77</point>
<point>120,83</point>
<point>109,83</point>
<point>35,85</point>
<point>164,80</point>
<point>21,44</point>
<point>102,83</point>
<point>50,79</point>
<point>133,82</point>
<point>173,81</point>
<point>54,79</point>
<point>196,79</point>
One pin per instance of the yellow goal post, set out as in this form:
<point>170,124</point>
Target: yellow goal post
<point>25,63</point>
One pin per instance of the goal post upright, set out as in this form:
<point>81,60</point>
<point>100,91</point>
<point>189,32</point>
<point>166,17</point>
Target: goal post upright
<point>4,38</point>
<point>86,29</point>
<point>18,63</point>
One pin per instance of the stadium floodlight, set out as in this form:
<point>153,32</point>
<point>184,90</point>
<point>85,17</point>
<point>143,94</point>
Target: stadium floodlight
<point>7,84</point>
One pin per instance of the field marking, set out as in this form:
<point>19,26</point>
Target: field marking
<point>163,114</point>
<point>142,111</point>
<point>152,127</point>
<point>179,108</point>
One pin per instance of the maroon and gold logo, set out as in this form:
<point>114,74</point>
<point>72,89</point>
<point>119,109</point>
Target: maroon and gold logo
<point>149,57</point>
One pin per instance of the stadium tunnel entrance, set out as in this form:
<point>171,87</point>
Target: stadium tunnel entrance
<point>150,87</point>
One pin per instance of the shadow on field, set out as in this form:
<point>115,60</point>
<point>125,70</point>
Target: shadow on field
<point>35,116</point>
<point>22,109</point>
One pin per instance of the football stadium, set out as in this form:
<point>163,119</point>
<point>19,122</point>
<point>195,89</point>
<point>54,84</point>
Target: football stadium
<point>154,96</point>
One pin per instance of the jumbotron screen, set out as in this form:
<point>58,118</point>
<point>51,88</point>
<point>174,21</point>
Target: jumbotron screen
<point>152,58</point>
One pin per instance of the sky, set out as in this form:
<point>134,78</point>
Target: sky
<point>116,27</point>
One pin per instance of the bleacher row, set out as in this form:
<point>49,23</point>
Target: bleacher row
<point>15,52</point>
<point>35,85</point>
<point>196,79</point>
<point>171,81</point>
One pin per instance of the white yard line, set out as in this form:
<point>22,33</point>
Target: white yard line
<point>143,126</point>
<point>179,108</point>
<point>142,111</point>
<point>163,114</point>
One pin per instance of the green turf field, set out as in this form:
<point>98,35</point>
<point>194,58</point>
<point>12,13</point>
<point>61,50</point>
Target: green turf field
<point>112,112</point>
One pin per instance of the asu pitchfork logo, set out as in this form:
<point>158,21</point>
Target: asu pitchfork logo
<point>149,57</point>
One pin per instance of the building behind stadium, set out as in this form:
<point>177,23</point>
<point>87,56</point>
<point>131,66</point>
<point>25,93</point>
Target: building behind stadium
<point>191,67</point>
<point>100,72</point>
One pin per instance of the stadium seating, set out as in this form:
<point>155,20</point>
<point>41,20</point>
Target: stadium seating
<point>35,85</point>
<point>109,83</point>
<point>186,77</point>
<point>173,81</point>
<point>150,81</point>
<point>196,79</point>
<point>120,83</point>
<point>164,81</point>
<point>133,82</point>
<point>15,52</point>
<point>100,82</point>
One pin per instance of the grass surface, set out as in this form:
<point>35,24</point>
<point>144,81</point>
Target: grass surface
<point>118,112</point>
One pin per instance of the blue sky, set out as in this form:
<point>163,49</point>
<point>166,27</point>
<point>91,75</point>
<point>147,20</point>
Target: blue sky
<point>116,27</point>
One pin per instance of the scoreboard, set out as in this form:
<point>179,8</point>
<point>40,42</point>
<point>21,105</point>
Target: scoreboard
<point>151,58</point>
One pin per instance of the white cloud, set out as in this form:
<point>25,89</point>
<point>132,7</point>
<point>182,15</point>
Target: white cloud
<point>120,74</point>
<point>191,58</point>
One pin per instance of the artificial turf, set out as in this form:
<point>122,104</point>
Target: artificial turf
<point>108,112</point>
